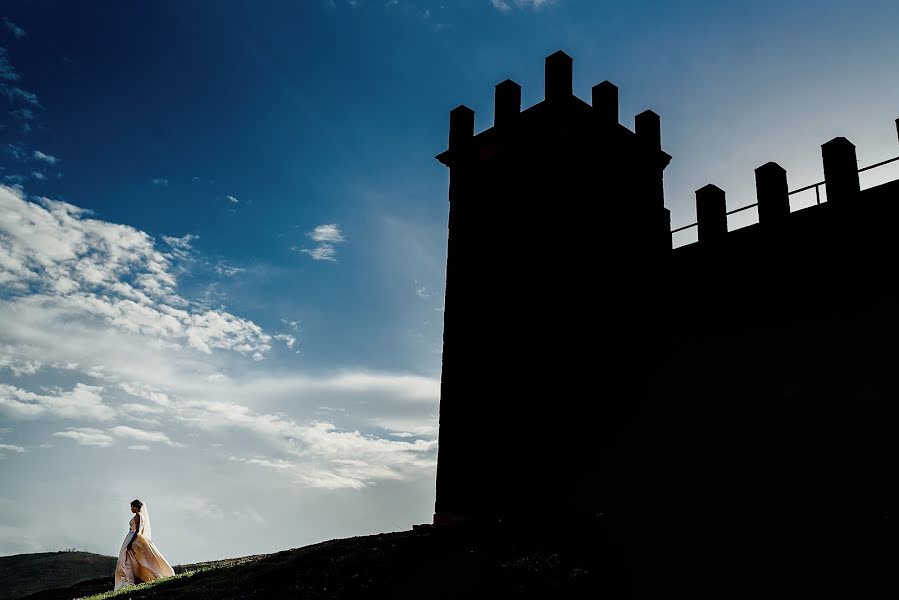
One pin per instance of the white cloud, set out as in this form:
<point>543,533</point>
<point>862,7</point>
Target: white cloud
<point>183,242</point>
<point>349,459</point>
<point>327,233</point>
<point>142,447</point>
<point>154,422</point>
<point>140,435</point>
<point>142,409</point>
<point>47,158</point>
<point>228,271</point>
<point>264,462</point>
<point>232,199</point>
<point>325,455</point>
<point>38,175</point>
<point>287,339</point>
<point>160,181</point>
<point>99,372</point>
<point>410,387</point>
<point>326,236</point>
<point>407,428</point>
<point>11,448</point>
<point>56,261</point>
<point>81,402</point>
<point>142,390</point>
<point>86,436</point>
<point>12,359</point>
<point>322,252</point>
<point>69,366</point>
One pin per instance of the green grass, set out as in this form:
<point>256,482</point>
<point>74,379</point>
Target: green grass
<point>183,572</point>
<point>143,586</point>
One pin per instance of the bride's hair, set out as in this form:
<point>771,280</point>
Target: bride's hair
<point>137,503</point>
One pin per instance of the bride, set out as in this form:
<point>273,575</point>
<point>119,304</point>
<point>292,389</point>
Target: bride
<point>139,560</point>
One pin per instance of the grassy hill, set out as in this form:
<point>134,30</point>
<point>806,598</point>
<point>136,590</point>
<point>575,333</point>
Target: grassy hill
<point>563,560</point>
<point>102,586</point>
<point>423,563</point>
<point>23,574</point>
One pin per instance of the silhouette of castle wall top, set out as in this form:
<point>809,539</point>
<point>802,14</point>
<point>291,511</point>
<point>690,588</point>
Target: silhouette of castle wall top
<point>589,368</point>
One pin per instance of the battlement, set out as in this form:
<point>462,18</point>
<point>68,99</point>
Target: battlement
<point>841,185</point>
<point>560,152</point>
<point>559,98</point>
<point>583,147</point>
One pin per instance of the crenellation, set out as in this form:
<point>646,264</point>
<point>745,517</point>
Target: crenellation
<point>648,127</point>
<point>711,214</point>
<point>461,125</point>
<point>840,170</point>
<point>558,76</point>
<point>605,102</point>
<point>772,193</point>
<point>507,104</point>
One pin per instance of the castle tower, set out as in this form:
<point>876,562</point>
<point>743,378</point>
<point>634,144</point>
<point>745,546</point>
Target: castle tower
<point>546,204</point>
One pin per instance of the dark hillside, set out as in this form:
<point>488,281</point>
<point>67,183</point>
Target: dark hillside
<point>423,563</point>
<point>23,574</point>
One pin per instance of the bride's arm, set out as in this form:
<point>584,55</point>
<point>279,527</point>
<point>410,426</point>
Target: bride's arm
<point>136,529</point>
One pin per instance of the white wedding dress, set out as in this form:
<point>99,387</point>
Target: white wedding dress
<point>144,562</point>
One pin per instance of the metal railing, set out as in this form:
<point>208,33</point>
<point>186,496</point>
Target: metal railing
<point>817,187</point>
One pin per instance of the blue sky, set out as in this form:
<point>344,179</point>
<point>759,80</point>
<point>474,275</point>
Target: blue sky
<point>223,231</point>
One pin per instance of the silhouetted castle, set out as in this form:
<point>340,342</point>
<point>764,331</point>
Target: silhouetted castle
<point>736,393</point>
